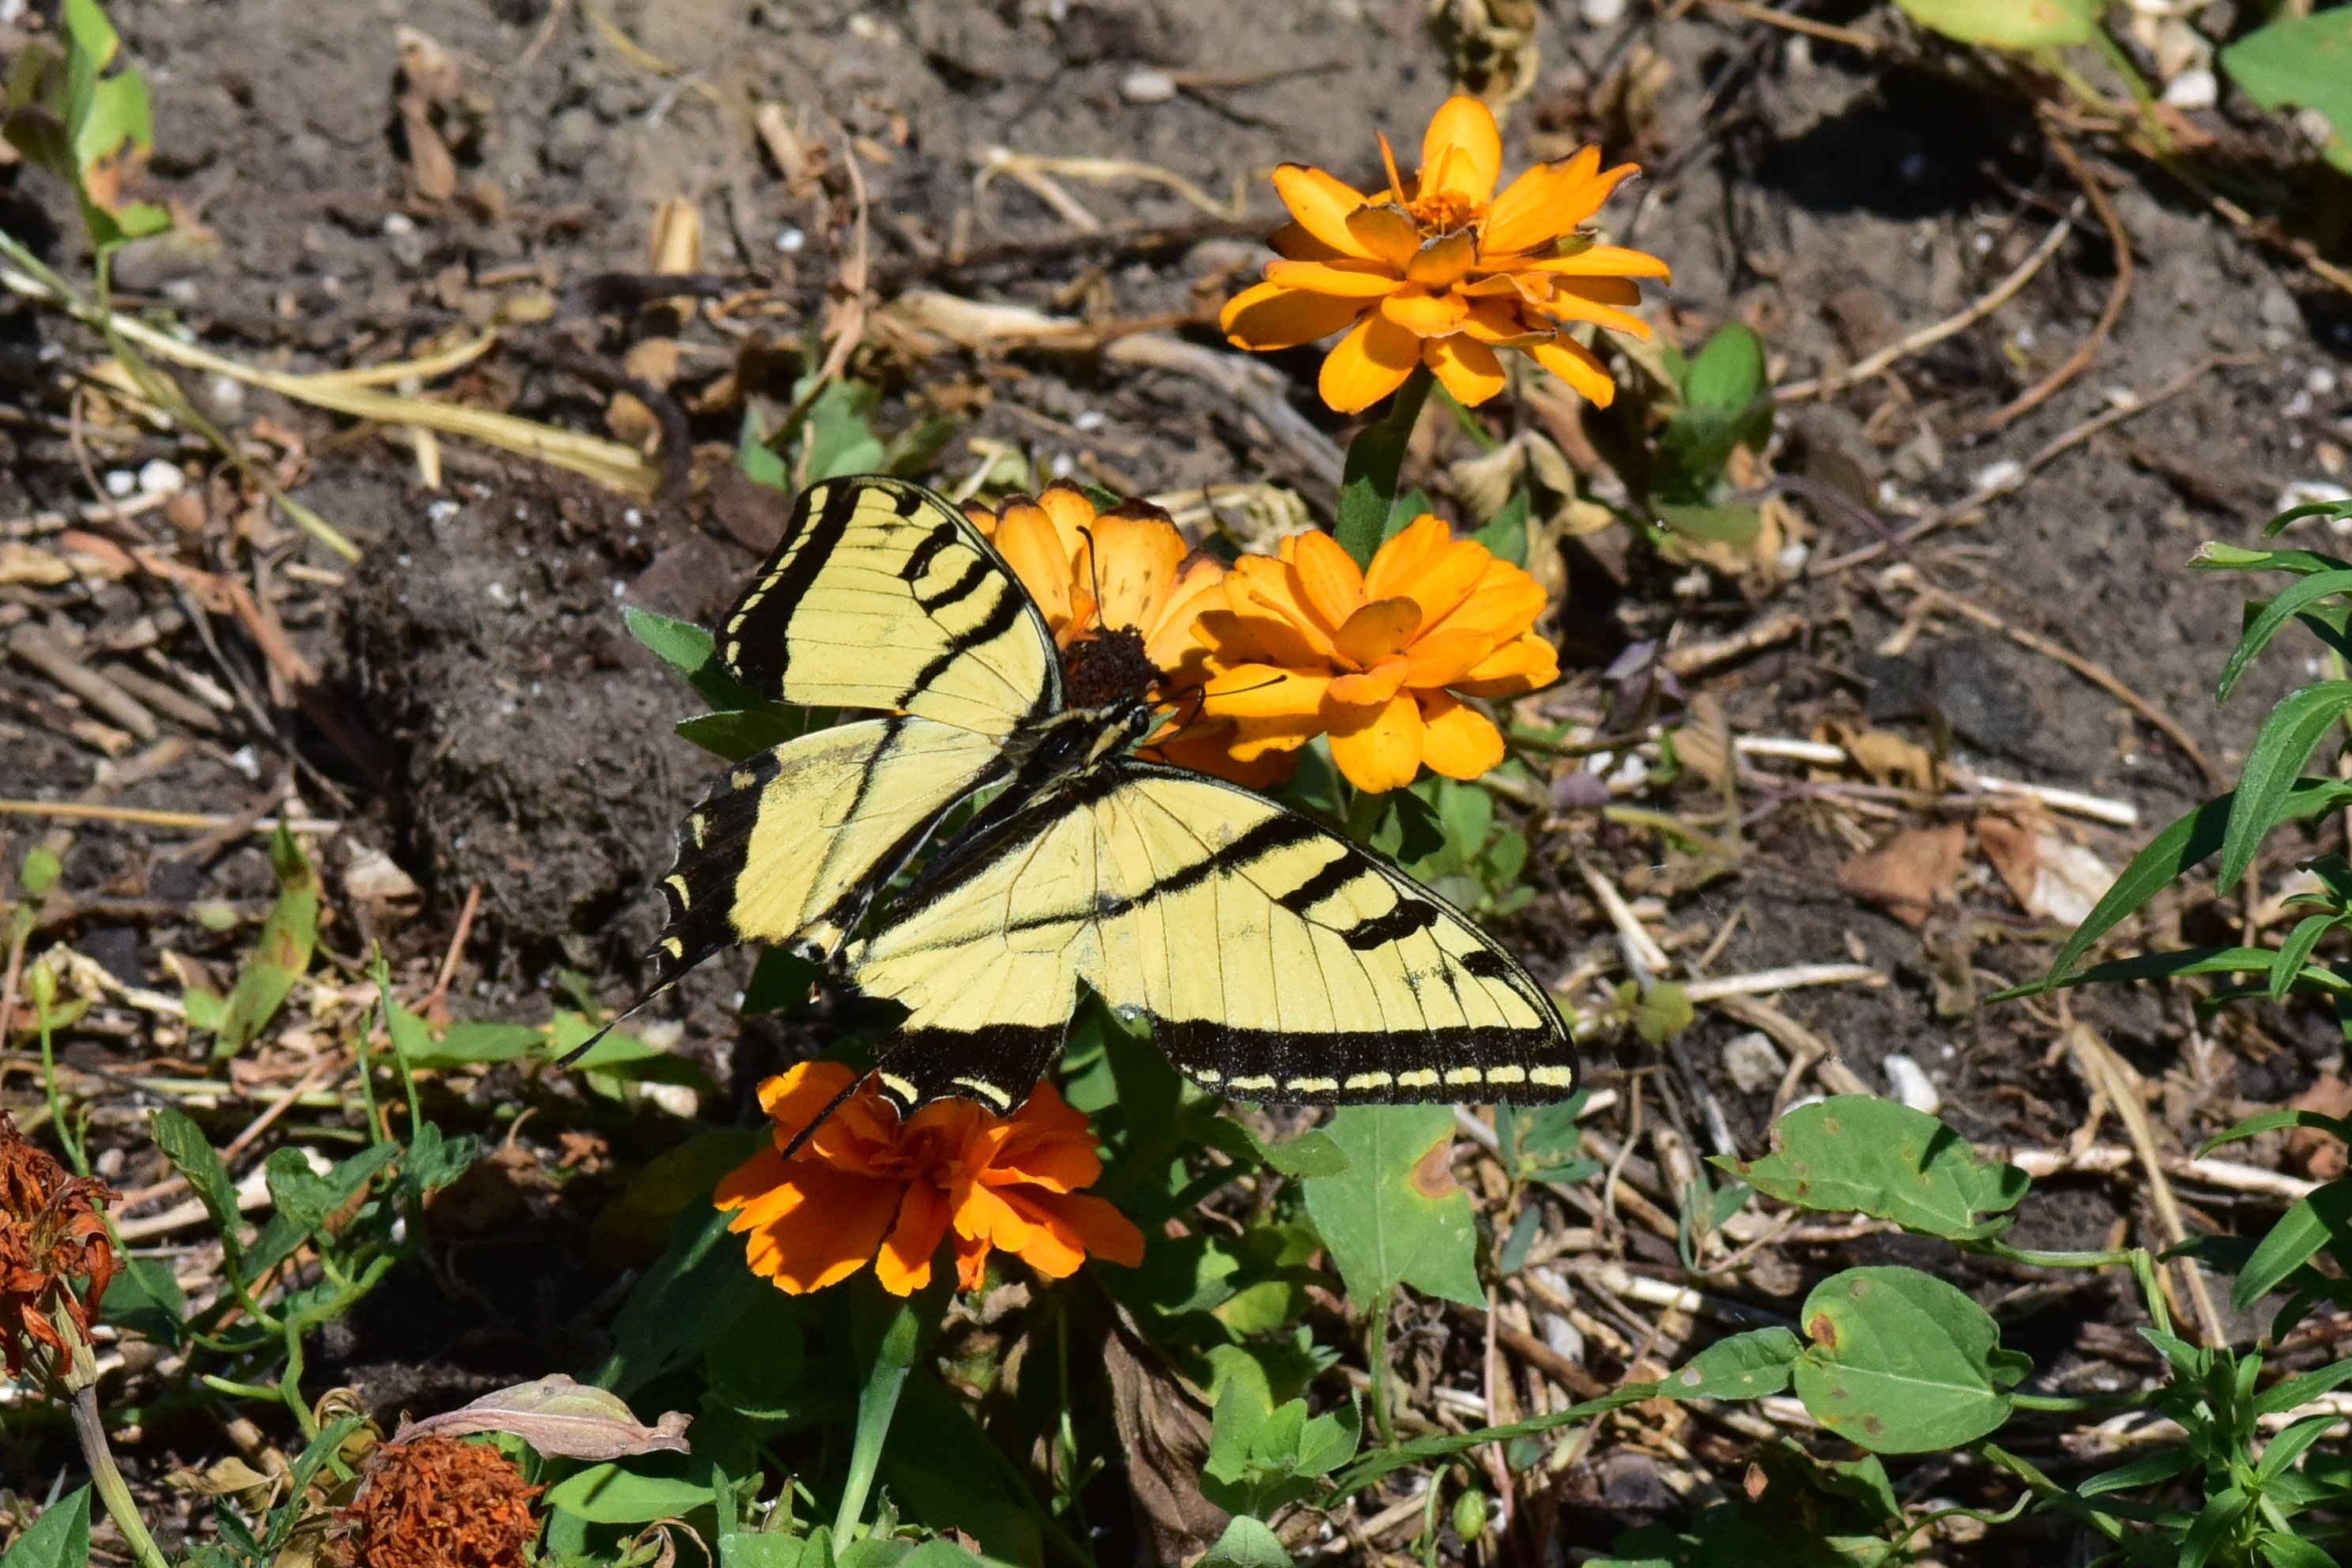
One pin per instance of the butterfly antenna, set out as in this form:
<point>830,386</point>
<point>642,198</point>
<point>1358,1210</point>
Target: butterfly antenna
<point>617,1019</point>
<point>1094,575</point>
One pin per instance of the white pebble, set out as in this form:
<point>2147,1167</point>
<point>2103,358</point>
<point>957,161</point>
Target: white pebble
<point>441,510</point>
<point>2320,382</point>
<point>790,240</point>
<point>1148,87</point>
<point>2196,87</point>
<point>120,482</point>
<point>1601,13</point>
<point>1793,556</point>
<point>1752,1062</point>
<point>1089,419</point>
<point>158,477</point>
<point>1995,477</point>
<point>1911,1084</point>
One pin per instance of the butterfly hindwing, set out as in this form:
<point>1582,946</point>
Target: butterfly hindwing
<point>881,596</point>
<point>792,845</point>
<point>1277,961</point>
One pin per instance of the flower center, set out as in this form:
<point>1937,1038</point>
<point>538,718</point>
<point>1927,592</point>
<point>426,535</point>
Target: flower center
<point>1443,211</point>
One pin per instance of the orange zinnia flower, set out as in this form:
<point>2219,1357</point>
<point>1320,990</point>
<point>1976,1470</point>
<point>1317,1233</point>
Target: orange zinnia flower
<point>51,1234</point>
<point>1066,552</point>
<point>867,1187</point>
<point>1379,660</point>
<point>1442,272</point>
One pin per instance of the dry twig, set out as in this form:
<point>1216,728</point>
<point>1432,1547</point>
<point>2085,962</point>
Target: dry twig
<point>2080,360</point>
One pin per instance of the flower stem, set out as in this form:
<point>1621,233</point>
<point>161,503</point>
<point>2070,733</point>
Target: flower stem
<point>875,1403</point>
<point>107,1478</point>
<point>1376,1352</point>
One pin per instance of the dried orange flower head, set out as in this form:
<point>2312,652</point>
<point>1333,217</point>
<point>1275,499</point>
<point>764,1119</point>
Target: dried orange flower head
<point>1440,270</point>
<point>441,1502</point>
<point>51,1234</point>
<point>1379,660</point>
<point>868,1187</point>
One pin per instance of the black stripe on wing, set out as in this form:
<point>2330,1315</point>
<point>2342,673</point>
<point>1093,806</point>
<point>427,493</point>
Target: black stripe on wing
<point>757,649</point>
<point>1479,1065</point>
<point>998,1066</point>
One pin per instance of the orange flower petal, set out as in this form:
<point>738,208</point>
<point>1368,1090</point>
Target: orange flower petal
<point>1071,511</point>
<point>1101,1229</point>
<point>1330,581</point>
<point>1447,656</point>
<point>1257,739</point>
<point>903,1266</point>
<point>1573,301</point>
<point>1387,231</point>
<point>1203,748</point>
<point>1444,261</point>
<point>1376,631</point>
<point>1526,663</point>
<point>1373,686</point>
<point>1264,589</point>
<point>1601,261</point>
<point>1457,741</point>
<point>980,517</point>
<point>1463,127</point>
<point>1136,556</point>
<point>1263,691</point>
<point>1173,641</point>
<point>1377,748</point>
<point>1425,315</point>
<point>1272,316</point>
<point>1467,368</point>
<point>1549,200</point>
<point>1352,280</point>
<point>1505,602</point>
<point>755,1179</point>
<point>1033,547</point>
<point>1369,363</point>
<point>1577,365</point>
<point>1236,640</point>
<point>1293,241</point>
<point>1405,556</point>
<point>1428,563</point>
<point>1046,1242</point>
<point>1501,324</point>
<point>1321,203</point>
<point>832,1222</point>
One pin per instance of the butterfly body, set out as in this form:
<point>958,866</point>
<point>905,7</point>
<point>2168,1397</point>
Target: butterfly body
<point>1274,960</point>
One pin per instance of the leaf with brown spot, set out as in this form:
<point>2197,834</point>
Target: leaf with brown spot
<point>1394,1216</point>
<point>562,1419</point>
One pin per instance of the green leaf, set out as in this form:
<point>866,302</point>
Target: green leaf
<point>430,1162</point>
<point>462,1044</point>
<point>2281,1549</point>
<point>1367,484</point>
<point>2305,62</point>
<point>58,1539</point>
<point>146,1299</point>
<point>611,1494</point>
<point>1420,1451</point>
<point>2148,1472</point>
<point>1311,1154</point>
<point>1731,524</point>
<point>2288,736</point>
<point>2212,1526</point>
<point>758,461</point>
<point>837,440</point>
<point>2309,1224</point>
<point>692,652</point>
<point>2290,1445</point>
<point>2295,952</point>
<point>1744,1366</point>
<point>184,1146</point>
<point>2272,1121</point>
<point>1541,1142</point>
<point>2171,855</point>
<point>692,1293</point>
<point>739,732</point>
<point>1395,1216</point>
<point>1247,1543</point>
<point>1857,1153</point>
<point>1664,1012</point>
<point>779,983</point>
<point>2009,24</point>
<point>1903,1363</point>
<point>2291,602</point>
<point>281,957</point>
<point>943,1470</point>
<point>1727,374</point>
<point>2293,1393</point>
<point>39,872</point>
<point>1505,533</point>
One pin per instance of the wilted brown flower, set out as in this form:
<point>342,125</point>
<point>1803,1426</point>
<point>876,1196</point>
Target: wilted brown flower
<point>51,1234</point>
<point>441,1502</point>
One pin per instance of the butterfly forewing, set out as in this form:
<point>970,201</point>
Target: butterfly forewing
<point>883,596</point>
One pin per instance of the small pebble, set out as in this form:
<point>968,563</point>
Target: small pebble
<point>790,240</point>
<point>120,482</point>
<point>1148,87</point>
<point>158,477</point>
<point>1753,1063</point>
<point>2193,89</point>
<point>1911,1084</point>
<point>1993,477</point>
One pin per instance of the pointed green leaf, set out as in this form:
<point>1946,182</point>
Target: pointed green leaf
<point>2007,24</point>
<point>2295,952</point>
<point>184,1146</point>
<point>2309,1224</point>
<point>281,957</point>
<point>2288,737</point>
<point>2273,619</point>
<point>1744,1366</point>
<point>1395,1216</point>
<point>1903,1363</point>
<point>1855,1153</point>
<point>58,1539</point>
<point>2144,1472</point>
<point>2292,1394</point>
<point>2300,62</point>
<point>1247,1543</point>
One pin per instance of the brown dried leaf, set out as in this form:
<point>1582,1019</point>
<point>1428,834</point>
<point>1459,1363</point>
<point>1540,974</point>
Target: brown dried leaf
<point>1703,742</point>
<point>2313,1152</point>
<point>2048,876</point>
<point>561,1418</point>
<point>1910,873</point>
<point>1885,757</point>
<point>1164,1433</point>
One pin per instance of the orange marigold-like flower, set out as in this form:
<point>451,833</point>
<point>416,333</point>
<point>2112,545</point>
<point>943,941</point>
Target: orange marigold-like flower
<point>441,1502</point>
<point>1381,659</point>
<point>1065,554</point>
<point>51,1234</point>
<point>867,1187</point>
<point>1443,271</point>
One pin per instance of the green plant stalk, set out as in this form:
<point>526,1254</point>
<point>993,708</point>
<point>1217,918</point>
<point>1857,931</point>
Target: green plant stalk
<point>2034,1257</point>
<point>289,1382</point>
<point>107,1477</point>
<point>1376,1357</point>
<point>77,1156</point>
<point>1367,484</point>
<point>876,1403</point>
